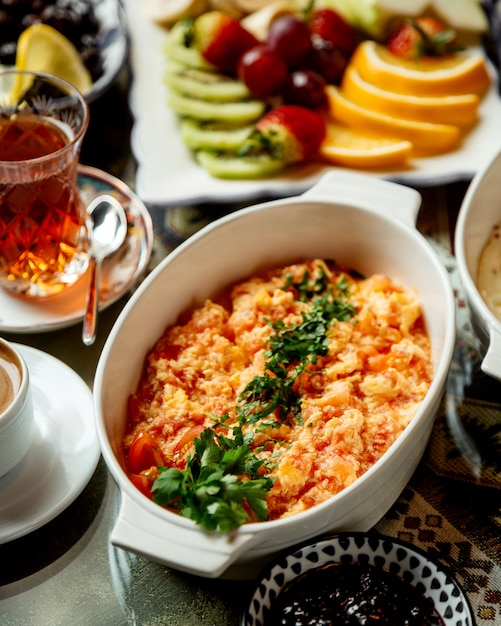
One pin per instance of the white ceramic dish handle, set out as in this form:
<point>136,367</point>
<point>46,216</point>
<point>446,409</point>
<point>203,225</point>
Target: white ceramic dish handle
<point>382,196</point>
<point>197,553</point>
<point>491,364</point>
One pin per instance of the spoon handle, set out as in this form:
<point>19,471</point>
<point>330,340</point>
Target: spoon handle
<point>89,322</point>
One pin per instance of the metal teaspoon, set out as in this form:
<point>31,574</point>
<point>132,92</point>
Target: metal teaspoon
<point>109,228</point>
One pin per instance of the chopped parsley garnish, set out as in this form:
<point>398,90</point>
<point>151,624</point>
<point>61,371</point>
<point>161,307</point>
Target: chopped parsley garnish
<point>210,489</point>
<point>292,349</point>
<point>308,287</point>
<point>223,480</point>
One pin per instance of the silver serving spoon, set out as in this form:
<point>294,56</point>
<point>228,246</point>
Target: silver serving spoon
<point>107,233</point>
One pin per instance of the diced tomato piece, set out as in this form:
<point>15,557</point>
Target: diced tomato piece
<point>144,453</point>
<point>188,437</point>
<point>142,483</point>
<point>169,351</point>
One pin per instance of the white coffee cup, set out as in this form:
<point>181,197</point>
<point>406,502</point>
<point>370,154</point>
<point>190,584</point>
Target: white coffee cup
<point>17,422</point>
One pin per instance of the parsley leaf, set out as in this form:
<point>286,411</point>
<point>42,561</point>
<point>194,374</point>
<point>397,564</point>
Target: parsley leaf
<point>218,487</point>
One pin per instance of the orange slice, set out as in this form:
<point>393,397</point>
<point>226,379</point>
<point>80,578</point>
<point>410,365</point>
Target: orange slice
<point>429,76</point>
<point>357,149</point>
<point>428,139</point>
<point>458,109</point>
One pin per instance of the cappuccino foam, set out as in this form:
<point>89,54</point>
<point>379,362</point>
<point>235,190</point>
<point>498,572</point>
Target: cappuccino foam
<point>10,377</point>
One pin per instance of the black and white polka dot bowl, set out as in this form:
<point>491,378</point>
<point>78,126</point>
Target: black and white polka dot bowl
<point>429,577</point>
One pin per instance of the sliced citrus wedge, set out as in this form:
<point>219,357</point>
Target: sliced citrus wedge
<point>458,109</point>
<point>428,139</point>
<point>354,148</point>
<point>429,76</point>
<point>41,48</point>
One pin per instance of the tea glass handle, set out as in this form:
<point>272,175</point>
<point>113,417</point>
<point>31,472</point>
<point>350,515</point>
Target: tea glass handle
<point>89,323</point>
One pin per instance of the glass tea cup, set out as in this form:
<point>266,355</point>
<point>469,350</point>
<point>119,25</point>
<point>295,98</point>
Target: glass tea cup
<point>43,229</point>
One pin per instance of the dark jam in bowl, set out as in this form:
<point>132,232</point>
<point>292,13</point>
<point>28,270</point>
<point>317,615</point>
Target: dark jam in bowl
<point>351,594</point>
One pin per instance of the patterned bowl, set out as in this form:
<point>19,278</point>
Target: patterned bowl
<point>414,567</point>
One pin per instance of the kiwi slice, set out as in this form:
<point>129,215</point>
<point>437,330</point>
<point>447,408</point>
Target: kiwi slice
<point>242,112</point>
<point>214,135</point>
<point>177,48</point>
<point>231,166</point>
<point>198,83</point>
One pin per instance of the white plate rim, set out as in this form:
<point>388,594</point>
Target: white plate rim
<point>77,447</point>
<point>167,174</point>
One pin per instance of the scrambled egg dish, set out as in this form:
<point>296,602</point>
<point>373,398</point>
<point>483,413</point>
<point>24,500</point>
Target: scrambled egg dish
<point>320,368</point>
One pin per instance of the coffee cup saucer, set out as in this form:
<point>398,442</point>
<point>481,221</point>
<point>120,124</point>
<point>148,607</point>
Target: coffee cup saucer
<point>119,273</point>
<point>63,455</point>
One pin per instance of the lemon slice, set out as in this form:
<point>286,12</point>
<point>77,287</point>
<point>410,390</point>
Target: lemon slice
<point>41,48</point>
<point>355,148</point>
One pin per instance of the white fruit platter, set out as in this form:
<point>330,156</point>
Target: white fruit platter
<point>168,175</point>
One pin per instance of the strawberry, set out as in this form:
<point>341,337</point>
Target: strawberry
<point>425,36</point>
<point>221,40</point>
<point>330,27</point>
<point>290,133</point>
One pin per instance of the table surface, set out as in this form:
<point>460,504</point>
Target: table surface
<point>68,573</point>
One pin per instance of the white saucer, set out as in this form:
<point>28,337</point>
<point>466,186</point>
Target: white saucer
<point>120,270</point>
<point>64,453</point>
